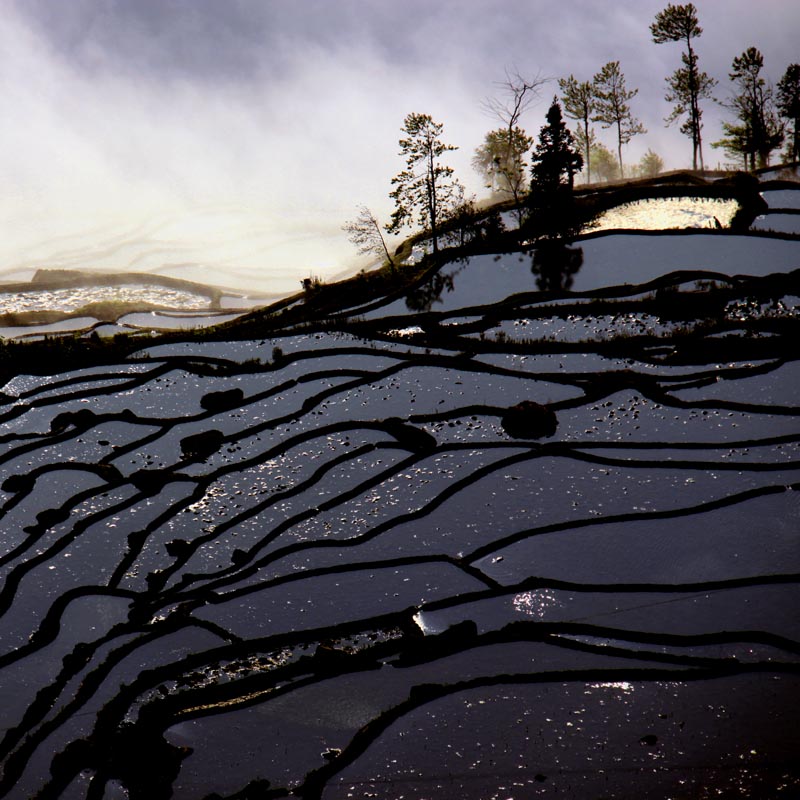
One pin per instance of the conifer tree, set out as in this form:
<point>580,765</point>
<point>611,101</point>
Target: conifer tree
<point>687,85</point>
<point>555,160</point>
<point>789,106</point>
<point>579,104</point>
<point>555,164</point>
<point>757,131</point>
<point>425,191</point>
<point>612,106</point>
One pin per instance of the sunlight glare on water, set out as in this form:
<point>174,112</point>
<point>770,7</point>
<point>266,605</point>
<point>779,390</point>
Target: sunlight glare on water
<point>668,212</point>
<point>536,603</point>
<point>77,297</point>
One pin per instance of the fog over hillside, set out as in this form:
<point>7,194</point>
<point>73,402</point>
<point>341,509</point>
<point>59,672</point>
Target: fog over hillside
<point>229,141</point>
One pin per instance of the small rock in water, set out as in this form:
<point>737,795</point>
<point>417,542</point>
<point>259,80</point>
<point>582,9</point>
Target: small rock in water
<point>178,547</point>
<point>221,401</point>
<point>415,439</point>
<point>18,483</point>
<point>201,445</point>
<point>529,420</point>
<point>149,481</point>
<point>78,419</point>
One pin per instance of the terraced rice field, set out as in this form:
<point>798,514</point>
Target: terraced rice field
<point>319,564</point>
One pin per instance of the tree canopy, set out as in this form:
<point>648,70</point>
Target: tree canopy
<point>788,101</point>
<point>579,104</point>
<point>606,167</point>
<point>757,131</point>
<point>651,165</point>
<point>425,191</point>
<point>502,161</point>
<point>613,108</point>
<point>555,159</point>
<point>504,150</point>
<point>365,233</point>
<point>555,164</point>
<point>687,85</point>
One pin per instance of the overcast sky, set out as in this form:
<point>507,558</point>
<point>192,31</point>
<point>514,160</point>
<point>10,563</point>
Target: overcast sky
<point>295,108</point>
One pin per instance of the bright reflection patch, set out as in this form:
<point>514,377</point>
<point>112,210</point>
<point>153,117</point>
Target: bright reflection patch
<point>668,212</point>
<point>76,297</point>
<point>536,603</point>
<point>413,330</point>
<point>623,686</point>
<point>426,625</point>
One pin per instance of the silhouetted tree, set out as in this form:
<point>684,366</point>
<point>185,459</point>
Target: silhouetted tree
<point>506,148</point>
<point>555,164</point>
<point>757,131</point>
<point>788,101</point>
<point>737,143</point>
<point>519,93</point>
<point>365,233</point>
<point>555,159</point>
<point>612,106</point>
<point>687,85</point>
<point>579,104</point>
<point>425,190</point>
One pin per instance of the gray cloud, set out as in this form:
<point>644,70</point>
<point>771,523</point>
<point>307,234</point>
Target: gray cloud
<point>294,109</point>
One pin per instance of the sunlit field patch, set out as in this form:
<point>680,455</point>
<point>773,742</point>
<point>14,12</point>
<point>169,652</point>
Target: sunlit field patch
<point>668,212</point>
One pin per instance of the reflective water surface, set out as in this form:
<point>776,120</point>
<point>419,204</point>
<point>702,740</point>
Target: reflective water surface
<point>324,563</point>
<point>669,212</point>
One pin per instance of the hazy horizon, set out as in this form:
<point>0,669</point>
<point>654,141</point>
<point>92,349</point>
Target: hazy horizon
<point>229,142</point>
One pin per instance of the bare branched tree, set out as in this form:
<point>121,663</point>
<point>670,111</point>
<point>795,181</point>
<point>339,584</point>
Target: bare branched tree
<point>509,144</point>
<point>366,234</point>
<point>519,93</point>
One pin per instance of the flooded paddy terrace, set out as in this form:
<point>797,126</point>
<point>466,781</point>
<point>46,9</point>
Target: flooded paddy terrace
<point>337,562</point>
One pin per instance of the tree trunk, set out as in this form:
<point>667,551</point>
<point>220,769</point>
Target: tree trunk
<point>431,187</point>
<point>693,103</point>
<point>588,150</point>
<point>700,147</point>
